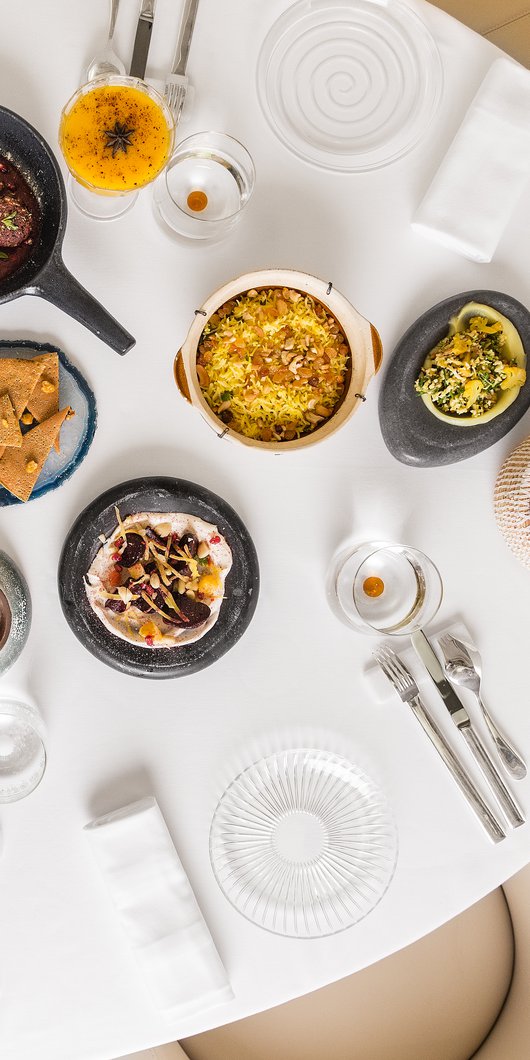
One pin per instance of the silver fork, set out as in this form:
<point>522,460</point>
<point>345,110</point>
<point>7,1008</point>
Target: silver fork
<point>462,665</point>
<point>407,689</point>
<point>176,86</point>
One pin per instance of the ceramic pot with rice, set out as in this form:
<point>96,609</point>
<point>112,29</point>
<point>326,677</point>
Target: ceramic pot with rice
<point>277,360</point>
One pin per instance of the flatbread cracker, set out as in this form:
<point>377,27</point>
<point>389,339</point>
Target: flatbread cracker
<point>43,402</point>
<point>18,377</point>
<point>36,445</point>
<point>10,433</point>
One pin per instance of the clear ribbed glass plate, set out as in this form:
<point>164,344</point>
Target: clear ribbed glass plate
<point>303,843</point>
<point>349,86</point>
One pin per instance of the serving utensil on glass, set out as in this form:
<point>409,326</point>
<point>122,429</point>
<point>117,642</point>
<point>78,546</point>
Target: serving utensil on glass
<point>177,83</point>
<point>107,62</point>
<point>407,690</point>
<point>463,666</point>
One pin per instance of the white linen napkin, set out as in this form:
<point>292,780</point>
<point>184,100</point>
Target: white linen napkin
<point>476,188</point>
<point>157,909</point>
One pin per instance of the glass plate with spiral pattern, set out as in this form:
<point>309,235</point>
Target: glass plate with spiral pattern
<point>349,85</point>
<point>303,843</point>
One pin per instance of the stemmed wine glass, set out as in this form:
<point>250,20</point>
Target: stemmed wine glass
<point>116,135</point>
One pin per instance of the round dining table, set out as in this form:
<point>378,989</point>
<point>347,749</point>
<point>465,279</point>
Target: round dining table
<point>69,987</point>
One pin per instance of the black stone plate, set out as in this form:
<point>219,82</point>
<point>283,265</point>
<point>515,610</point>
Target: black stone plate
<point>157,495</point>
<point>412,433</point>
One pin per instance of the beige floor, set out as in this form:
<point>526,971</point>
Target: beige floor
<point>505,23</point>
<point>439,998</point>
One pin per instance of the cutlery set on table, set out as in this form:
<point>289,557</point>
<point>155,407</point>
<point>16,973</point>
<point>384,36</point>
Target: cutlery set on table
<point>107,63</point>
<point>395,590</point>
<point>461,666</point>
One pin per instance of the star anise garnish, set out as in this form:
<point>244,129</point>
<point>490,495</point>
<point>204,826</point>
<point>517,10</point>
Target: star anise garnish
<point>118,138</point>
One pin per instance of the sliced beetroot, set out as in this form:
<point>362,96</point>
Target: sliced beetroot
<point>182,567</point>
<point>119,606</point>
<point>133,550</point>
<point>153,536</point>
<point>142,605</point>
<point>190,542</point>
<point>195,611</point>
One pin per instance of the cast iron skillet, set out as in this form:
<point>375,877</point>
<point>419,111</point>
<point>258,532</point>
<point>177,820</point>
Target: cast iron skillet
<point>45,273</point>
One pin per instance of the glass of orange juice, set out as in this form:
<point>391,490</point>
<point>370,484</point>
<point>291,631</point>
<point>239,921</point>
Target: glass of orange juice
<point>116,135</point>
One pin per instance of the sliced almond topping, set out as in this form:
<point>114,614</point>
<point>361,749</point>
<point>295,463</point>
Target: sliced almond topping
<point>163,529</point>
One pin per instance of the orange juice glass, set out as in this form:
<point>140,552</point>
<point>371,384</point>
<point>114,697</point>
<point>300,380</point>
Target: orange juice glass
<point>116,135</point>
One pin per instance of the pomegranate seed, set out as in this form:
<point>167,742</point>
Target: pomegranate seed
<point>150,641</point>
<point>118,542</point>
<point>116,556</point>
<point>215,539</point>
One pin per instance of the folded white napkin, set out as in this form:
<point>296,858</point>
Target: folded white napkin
<point>157,909</point>
<point>476,188</point>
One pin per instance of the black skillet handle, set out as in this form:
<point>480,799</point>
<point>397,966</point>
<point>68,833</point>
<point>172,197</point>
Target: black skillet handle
<point>58,286</point>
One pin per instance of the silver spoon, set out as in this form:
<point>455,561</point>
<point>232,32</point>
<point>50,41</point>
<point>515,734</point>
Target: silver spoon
<point>107,62</point>
<point>463,667</point>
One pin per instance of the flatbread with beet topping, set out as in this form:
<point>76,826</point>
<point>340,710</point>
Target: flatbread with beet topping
<point>158,581</point>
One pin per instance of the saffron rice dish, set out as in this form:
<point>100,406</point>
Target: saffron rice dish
<point>273,364</point>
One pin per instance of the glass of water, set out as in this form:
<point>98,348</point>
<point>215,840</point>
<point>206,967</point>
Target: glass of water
<point>206,185</point>
<point>386,589</point>
<point>22,751</point>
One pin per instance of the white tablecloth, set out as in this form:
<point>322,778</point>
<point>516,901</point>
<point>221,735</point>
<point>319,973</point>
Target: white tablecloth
<point>68,985</point>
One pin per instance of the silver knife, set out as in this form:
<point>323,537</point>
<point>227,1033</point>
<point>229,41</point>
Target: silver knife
<point>461,719</point>
<point>142,39</point>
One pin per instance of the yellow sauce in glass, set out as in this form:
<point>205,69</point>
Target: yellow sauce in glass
<point>94,155</point>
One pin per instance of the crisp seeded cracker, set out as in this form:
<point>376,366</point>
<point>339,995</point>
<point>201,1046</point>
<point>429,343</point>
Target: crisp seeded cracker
<point>18,378</point>
<point>10,433</point>
<point>44,399</point>
<point>20,468</point>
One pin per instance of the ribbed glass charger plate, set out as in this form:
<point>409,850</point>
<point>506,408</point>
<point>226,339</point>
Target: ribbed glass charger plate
<point>303,843</point>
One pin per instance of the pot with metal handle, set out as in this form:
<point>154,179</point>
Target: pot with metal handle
<point>44,272</point>
<point>361,335</point>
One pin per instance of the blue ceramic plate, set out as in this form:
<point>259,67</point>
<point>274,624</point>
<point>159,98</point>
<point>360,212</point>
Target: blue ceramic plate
<point>76,434</point>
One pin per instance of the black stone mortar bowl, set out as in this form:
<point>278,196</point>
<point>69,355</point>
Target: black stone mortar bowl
<point>44,273</point>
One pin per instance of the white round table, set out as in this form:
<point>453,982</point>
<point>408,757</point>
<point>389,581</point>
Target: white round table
<point>68,984</point>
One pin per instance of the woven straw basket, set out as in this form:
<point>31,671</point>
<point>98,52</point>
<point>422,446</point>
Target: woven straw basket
<point>512,501</point>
